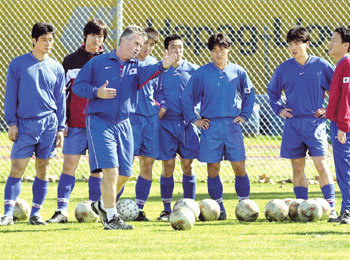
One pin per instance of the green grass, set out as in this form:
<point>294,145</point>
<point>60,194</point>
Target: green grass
<point>153,240</point>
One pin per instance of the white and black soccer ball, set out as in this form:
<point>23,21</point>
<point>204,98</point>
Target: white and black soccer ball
<point>210,209</point>
<point>128,209</point>
<point>182,219</point>
<point>310,211</point>
<point>276,210</point>
<point>84,213</point>
<point>21,210</point>
<point>293,209</point>
<point>188,203</point>
<point>247,211</point>
<point>288,201</point>
<point>326,208</point>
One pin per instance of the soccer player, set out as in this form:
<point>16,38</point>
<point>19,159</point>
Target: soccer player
<point>145,126</point>
<point>35,108</point>
<point>75,143</point>
<point>175,135</point>
<point>218,86</point>
<point>110,82</point>
<point>338,112</point>
<point>304,78</point>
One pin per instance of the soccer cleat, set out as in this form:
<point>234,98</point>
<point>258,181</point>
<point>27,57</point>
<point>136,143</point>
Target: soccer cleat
<point>36,220</point>
<point>96,207</point>
<point>222,215</point>
<point>141,216</point>
<point>57,217</point>
<point>345,217</point>
<point>117,223</point>
<point>6,221</point>
<point>164,216</point>
<point>333,217</point>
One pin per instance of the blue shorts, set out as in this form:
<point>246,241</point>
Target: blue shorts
<point>36,136</point>
<point>302,134</point>
<point>223,139</point>
<point>75,142</point>
<point>177,137</point>
<point>146,135</point>
<point>111,144</point>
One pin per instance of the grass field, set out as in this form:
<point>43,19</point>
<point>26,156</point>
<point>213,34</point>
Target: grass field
<point>153,240</point>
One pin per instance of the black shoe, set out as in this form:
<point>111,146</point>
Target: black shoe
<point>6,221</point>
<point>141,216</point>
<point>345,217</point>
<point>57,217</point>
<point>96,207</point>
<point>117,223</point>
<point>222,215</point>
<point>164,216</point>
<point>36,220</point>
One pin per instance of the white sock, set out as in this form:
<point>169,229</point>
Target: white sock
<point>110,213</point>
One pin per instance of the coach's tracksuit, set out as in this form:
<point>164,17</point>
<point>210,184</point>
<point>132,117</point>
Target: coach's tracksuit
<point>108,125</point>
<point>217,90</point>
<point>338,112</point>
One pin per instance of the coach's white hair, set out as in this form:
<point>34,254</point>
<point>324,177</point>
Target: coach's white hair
<point>130,30</point>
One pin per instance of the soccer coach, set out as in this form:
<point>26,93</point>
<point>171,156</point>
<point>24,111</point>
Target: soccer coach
<point>110,82</point>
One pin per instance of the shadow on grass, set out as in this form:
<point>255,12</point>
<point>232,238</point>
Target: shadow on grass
<point>35,230</point>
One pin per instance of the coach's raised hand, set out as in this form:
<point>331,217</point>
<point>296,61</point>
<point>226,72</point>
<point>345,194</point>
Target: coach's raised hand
<point>106,93</point>
<point>168,59</point>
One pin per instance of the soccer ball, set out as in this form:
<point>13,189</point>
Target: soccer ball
<point>210,209</point>
<point>309,210</point>
<point>276,210</point>
<point>190,204</point>
<point>21,210</point>
<point>182,219</point>
<point>128,209</point>
<point>326,208</point>
<point>288,201</point>
<point>247,210</point>
<point>84,213</point>
<point>293,209</point>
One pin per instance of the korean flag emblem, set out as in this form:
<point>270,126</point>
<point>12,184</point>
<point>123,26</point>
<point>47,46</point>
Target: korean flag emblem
<point>346,79</point>
<point>133,71</point>
<point>247,90</point>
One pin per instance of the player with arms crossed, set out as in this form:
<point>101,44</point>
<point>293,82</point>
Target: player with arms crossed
<point>217,86</point>
<point>35,108</point>
<point>110,81</point>
<point>75,143</point>
<point>304,78</point>
<point>145,126</point>
<point>338,112</point>
<point>175,135</point>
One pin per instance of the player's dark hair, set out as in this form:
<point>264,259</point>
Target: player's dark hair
<point>344,35</point>
<point>170,38</point>
<point>41,28</point>
<point>219,39</point>
<point>298,34</point>
<point>152,34</point>
<point>95,26</point>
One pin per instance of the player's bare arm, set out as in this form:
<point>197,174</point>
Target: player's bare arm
<point>106,93</point>
<point>238,120</point>
<point>286,113</point>
<point>60,138</point>
<point>13,133</point>
<point>320,113</point>
<point>203,123</point>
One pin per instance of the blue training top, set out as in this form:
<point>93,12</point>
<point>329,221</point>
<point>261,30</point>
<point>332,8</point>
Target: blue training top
<point>146,103</point>
<point>217,90</point>
<point>171,85</point>
<point>35,89</point>
<point>304,85</point>
<point>126,77</point>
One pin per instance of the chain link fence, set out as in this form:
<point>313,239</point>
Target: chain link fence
<point>257,29</point>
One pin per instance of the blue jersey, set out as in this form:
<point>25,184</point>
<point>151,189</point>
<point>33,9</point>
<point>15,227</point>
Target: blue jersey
<point>171,86</point>
<point>35,89</point>
<point>124,76</point>
<point>304,86</point>
<point>217,91</point>
<point>146,104</point>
